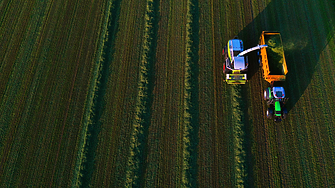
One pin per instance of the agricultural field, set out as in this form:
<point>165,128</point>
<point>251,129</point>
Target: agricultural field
<point>131,93</point>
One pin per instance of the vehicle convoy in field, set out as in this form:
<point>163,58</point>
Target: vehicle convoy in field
<point>272,61</point>
<point>235,65</point>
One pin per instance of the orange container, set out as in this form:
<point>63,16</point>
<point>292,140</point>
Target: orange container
<point>272,58</point>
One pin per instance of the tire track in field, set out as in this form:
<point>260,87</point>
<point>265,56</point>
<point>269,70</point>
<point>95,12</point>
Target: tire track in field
<point>91,126</point>
<point>137,160</point>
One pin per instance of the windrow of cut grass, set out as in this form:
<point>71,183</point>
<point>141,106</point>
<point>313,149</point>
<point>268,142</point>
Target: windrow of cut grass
<point>90,127</point>
<point>238,127</point>
<point>137,151</point>
<point>116,113</point>
<point>191,97</point>
<point>165,140</point>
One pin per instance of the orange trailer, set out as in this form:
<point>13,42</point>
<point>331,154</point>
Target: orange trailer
<point>272,59</point>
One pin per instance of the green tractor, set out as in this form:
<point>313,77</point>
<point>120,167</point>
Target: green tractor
<point>275,97</point>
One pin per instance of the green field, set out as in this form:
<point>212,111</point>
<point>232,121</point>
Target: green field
<point>131,93</point>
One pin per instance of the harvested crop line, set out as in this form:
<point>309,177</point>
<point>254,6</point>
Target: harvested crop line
<point>238,119</point>
<point>137,155</point>
<point>191,93</point>
<point>90,128</point>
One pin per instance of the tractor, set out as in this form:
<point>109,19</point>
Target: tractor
<point>235,65</point>
<point>275,97</point>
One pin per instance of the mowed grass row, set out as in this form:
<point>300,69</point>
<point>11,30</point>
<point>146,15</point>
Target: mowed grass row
<point>43,137</point>
<point>191,97</point>
<point>88,136</point>
<point>165,141</point>
<point>238,127</point>
<point>114,118</point>
<point>232,143</point>
<point>138,140</point>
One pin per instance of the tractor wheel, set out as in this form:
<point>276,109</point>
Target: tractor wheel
<point>225,70</point>
<point>266,94</point>
<point>269,113</point>
<point>284,113</point>
<point>225,53</point>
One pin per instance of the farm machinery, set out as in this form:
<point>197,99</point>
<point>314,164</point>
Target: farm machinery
<point>236,62</point>
<point>272,61</point>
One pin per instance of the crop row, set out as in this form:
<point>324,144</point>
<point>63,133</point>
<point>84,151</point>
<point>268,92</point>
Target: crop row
<point>237,123</point>
<point>191,106</point>
<point>87,135</point>
<point>141,122</point>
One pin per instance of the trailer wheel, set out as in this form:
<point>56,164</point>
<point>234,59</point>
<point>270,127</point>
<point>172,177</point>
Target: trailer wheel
<point>284,113</point>
<point>269,113</point>
<point>266,94</point>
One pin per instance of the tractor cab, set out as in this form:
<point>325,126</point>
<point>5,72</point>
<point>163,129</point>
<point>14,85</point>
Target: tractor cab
<point>278,92</point>
<point>233,60</point>
<point>235,65</point>
<point>276,100</point>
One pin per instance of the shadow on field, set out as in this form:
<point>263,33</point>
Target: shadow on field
<point>301,40</point>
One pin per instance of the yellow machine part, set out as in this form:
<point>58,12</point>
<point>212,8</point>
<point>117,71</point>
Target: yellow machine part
<point>236,78</point>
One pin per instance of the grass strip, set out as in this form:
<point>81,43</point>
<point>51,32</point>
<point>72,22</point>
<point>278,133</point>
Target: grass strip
<point>239,135</point>
<point>89,119</point>
<point>137,155</point>
<point>275,54</point>
<point>191,97</point>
